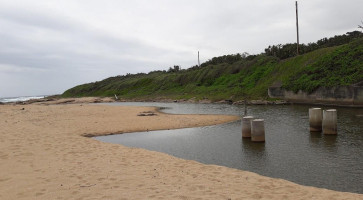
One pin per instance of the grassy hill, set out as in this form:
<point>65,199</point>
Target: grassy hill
<point>248,77</point>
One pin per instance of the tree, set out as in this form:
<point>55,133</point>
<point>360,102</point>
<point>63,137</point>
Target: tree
<point>176,68</point>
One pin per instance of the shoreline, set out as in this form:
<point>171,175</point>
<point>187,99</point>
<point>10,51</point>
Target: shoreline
<point>44,155</point>
<point>55,99</point>
<point>154,111</point>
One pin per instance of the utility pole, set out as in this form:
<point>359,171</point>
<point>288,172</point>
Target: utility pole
<point>297,29</point>
<point>198,60</point>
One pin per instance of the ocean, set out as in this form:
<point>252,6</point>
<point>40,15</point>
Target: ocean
<point>20,99</point>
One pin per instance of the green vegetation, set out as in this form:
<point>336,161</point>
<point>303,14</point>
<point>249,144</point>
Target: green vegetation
<point>289,50</point>
<point>344,66</point>
<point>238,76</point>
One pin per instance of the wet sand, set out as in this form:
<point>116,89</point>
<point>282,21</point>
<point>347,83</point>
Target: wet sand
<point>44,154</point>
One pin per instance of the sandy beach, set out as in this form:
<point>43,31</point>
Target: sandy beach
<point>45,154</point>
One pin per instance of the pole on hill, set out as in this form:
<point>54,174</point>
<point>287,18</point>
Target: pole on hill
<point>198,60</point>
<point>297,29</point>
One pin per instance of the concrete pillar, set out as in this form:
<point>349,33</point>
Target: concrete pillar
<point>257,130</point>
<point>315,119</point>
<point>246,126</point>
<point>330,121</point>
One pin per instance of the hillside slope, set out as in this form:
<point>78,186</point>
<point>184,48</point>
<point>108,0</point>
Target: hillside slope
<point>247,78</point>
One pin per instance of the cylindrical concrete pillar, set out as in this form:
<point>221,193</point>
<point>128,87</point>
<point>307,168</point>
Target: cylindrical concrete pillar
<point>330,121</point>
<point>246,126</point>
<point>315,119</point>
<point>257,130</point>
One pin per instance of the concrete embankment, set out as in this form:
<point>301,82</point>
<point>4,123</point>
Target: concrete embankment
<point>341,95</point>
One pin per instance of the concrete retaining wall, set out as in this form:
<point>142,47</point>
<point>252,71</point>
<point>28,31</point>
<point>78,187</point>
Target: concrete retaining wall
<point>341,95</point>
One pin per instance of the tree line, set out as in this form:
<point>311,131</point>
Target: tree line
<point>289,50</point>
<point>280,51</point>
<point>283,51</point>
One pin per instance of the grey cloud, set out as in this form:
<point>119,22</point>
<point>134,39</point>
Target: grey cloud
<point>77,44</point>
<point>54,45</point>
<point>30,18</point>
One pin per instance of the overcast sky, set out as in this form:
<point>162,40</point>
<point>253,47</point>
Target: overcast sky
<point>48,46</point>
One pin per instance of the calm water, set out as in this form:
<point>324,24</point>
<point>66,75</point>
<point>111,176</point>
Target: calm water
<point>290,152</point>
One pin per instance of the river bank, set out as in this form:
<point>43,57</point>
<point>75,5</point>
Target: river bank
<point>56,99</point>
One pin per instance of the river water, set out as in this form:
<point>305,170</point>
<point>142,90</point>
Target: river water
<point>290,152</point>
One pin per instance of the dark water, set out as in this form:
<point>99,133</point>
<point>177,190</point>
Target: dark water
<point>290,152</point>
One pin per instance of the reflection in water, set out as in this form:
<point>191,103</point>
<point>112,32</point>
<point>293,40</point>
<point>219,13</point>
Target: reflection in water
<point>257,148</point>
<point>330,141</point>
<point>315,138</point>
<point>290,152</point>
<point>254,155</point>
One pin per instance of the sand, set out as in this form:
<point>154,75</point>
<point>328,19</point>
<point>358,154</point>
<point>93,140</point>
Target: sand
<point>44,154</point>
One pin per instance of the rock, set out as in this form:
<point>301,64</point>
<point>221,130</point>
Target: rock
<point>258,102</point>
<point>65,101</point>
<point>205,101</point>
<point>226,101</point>
<point>147,113</point>
<point>238,103</point>
<point>280,102</point>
